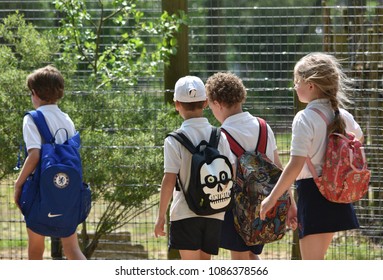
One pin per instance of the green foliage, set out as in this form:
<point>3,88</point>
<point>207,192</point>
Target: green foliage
<point>122,135</point>
<point>136,47</point>
<point>117,46</point>
<point>23,36</point>
<point>122,131</point>
<point>24,49</point>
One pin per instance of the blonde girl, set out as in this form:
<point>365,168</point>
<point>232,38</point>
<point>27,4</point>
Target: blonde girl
<point>320,82</point>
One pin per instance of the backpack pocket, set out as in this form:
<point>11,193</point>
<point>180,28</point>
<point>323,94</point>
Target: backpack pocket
<point>85,203</point>
<point>28,194</point>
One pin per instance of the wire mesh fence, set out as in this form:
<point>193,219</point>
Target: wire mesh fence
<point>260,43</point>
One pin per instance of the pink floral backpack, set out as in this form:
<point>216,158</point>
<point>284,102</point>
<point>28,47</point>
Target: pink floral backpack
<point>345,177</point>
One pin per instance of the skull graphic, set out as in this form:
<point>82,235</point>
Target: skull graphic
<point>216,178</point>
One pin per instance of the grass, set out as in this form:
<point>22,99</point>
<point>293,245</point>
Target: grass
<point>5,244</point>
<point>13,234</point>
<point>283,145</point>
<point>350,245</point>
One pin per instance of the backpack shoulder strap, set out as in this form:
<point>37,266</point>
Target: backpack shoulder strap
<point>180,137</point>
<point>235,147</point>
<point>309,163</point>
<point>238,150</point>
<point>214,137</point>
<point>320,113</point>
<point>42,126</point>
<point>262,139</point>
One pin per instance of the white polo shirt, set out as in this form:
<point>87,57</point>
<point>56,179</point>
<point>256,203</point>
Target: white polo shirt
<point>55,119</point>
<point>309,133</point>
<point>244,128</point>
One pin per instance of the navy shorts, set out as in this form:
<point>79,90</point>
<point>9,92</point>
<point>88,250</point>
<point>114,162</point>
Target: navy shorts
<point>318,215</point>
<point>196,234</point>
<point>231,240</point>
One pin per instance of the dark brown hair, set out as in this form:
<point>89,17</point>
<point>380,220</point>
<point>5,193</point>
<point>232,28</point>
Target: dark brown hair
<point>47,83</point>
<point>193,105</point>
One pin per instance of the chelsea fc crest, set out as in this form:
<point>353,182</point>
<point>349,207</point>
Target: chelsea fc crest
<point>61,180</point>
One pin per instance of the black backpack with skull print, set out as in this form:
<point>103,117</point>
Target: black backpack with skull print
<point>209,190</point>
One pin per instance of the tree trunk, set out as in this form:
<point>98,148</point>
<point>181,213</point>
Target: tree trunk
<point>179,62</point>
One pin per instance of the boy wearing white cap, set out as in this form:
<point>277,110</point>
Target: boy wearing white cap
<point>196,237</point>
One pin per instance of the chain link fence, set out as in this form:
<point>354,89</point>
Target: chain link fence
<point>260,42</point>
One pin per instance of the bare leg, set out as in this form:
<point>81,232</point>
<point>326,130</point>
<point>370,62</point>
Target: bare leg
<point>194,255</point>
<point>247,255</point>
<point>253,256</point>
<point>36,245</point>
<point>314,246</point>
<point>71,248</point>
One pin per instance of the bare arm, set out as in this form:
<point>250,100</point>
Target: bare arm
<point>29,166</point>
<point>289,174</point>
<point>277,161</point>
<point>167,187</point>
<point>292,221</point>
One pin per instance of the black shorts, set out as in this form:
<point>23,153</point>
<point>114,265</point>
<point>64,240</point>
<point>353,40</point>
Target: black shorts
<point>231,240</point>
<point>196,234</point>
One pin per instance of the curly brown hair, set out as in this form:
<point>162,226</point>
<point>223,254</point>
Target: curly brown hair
<point>47,83</point>
<point>226,88</point>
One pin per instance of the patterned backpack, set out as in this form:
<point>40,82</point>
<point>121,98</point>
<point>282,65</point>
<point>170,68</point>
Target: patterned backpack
<point>256,177</point>
<point>345,176</point>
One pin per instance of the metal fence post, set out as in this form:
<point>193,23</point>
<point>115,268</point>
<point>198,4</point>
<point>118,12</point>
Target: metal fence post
<point>56,249</point>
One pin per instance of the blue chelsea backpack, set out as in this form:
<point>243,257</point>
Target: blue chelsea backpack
<point>54,199</point>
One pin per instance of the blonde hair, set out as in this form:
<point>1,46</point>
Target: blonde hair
<point>325,71</point>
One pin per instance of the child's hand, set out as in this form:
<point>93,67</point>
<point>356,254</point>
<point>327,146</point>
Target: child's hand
<point>159,228</point>
<point>17,194</point>
<point>292,221</point>
<point>266,206</point>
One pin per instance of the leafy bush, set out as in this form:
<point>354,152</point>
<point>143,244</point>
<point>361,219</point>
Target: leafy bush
<point>122,131</point>
<point>23,49</point>
<point>118,47</point>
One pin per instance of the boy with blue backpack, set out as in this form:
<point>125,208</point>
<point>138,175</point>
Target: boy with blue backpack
<point>47,88</point>
<point>198,170</point>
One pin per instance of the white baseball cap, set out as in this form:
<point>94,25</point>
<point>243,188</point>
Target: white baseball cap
<point>189,89</point>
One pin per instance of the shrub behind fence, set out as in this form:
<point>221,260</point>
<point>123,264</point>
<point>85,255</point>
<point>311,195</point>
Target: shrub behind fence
<point>261,45</point>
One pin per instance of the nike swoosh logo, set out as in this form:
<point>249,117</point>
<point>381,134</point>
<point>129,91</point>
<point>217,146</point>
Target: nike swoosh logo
<point>53,215</point>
